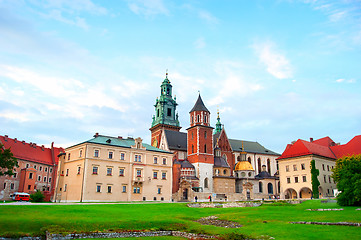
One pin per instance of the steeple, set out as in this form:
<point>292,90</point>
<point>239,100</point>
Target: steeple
<point>165,106</point>
<point>199,106</point>
<point>218,124</point>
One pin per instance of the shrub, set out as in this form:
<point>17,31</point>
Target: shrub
<point>37,196</point>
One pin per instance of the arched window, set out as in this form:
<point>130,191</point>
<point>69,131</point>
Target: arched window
<point>239,158</point>
<point>205,134</point>
<point>192,119</point>
<point>269,166</point>
<point>198,118</point>
<point>205,118</point>
<point>224,172</point>
<point>192,148</point>
<point>206,183</point>
<point>259,165</point>
<point>270,188</point>
<point>205,148</point>
<point>157,112</point>
<point>249,160</point>
<point>260,187</point>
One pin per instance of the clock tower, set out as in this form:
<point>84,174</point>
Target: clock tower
<point>165,113</point>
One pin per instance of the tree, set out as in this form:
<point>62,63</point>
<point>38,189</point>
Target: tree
<point>37,196</point>
<point>7,161</point>
<point>347,174</point>
<point>314,180</point>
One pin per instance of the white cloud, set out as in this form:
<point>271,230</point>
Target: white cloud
<point>200,43</point>
<point>340,80</point>
<point>15,115</point>
<point>73,6</point>
<point>148,7</point>
<point>57,15</point>
<point>277,64</point>
<point>208,17</point>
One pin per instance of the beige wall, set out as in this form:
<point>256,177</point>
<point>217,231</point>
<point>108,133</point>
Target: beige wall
<point>295,170</point>
<point>83,186</point>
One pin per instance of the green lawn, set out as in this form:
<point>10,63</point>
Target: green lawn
<point>268,219</point>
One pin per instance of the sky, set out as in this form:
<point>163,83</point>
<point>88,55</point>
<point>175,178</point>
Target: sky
<point>277,70</point>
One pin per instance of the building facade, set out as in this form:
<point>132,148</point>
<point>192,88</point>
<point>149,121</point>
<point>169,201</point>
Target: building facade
<point>37,168</point>
<point>295,161</point>
<point>109,169</point>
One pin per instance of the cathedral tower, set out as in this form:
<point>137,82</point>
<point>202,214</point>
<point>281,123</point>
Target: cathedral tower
<point>165,113</point>
<point>200,144</point>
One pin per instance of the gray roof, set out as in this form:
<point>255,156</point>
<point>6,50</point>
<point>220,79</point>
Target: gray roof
<point>199,106</point>
<point>176,140</point>
<point>119,142</point>
<point>263,175</point>
<point>220,162</point>
<point>186,164</point>
<point>250,147</point>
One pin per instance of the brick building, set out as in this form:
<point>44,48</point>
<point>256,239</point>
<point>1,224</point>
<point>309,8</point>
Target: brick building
<point>37,168</point>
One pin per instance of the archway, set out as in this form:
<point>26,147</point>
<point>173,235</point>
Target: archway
<point>305,193</point>
<point>270,188</point>
<point>290,193</point>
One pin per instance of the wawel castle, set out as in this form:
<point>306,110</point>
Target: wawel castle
<point>200,163</point>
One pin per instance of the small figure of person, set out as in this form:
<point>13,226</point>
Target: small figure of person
<point>195,198</point>
<point>210,198</point>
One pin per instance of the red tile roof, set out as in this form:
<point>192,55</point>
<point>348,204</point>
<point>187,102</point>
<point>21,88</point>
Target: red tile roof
<point>30,151</point>
<point>325,147</point>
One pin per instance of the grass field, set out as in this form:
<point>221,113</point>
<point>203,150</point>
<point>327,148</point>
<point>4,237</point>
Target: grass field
<point>269,219</point>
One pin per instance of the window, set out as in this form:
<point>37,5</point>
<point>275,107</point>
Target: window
<point>31,175</point>
<point>287,168</point>
<point>78,172</point>
<point>164,175</point>
<point>51,170</point>
<point>159,190</point>
<point>15,174</point>
<point>296,179</point>
<point>44,179</point>
<point>4,185</point>
<point>198,118</point>
<point>124,189</point>
<point>164,161</point>
<point>109,189</point>
<point>29,187</point>
<point>96,153</point>
<point>155,175</point>
<point>12,185</point>
<point>40,168</point>
<point>95,170</point>
<point>329,179</point>
<point>98,188</point>
<point>65,187</point>
<point>192,135</point>
<point>328,168</point>
<point>80,153</point>
<point>324,178</point>
<point>206,183</point>
<point>45,169</point>
<point>34,166</point>
<point>192,148</point>
<point>139,173</point>
<point>259,165</point>
<point>260,187</point>
<point>270,188</point>
<point>205,148</point>
<point>122,156</point>
<point>68,156</point>
<point>192,119</point>
<point>205,134</point>
<point>27,165</point>
<point>269,166</point>
<point>205,118</point>
<point>304,179</point>
<point>224,172</point>
<point>137,158</point>
<point>109,171</point>
<point>67,172</point>
<point>155,160</point>
<point>303,166</point>
<point>136,190</point>
<point>110,155</point>
<point>295,167</point>
<point>39,178</point>
<point>169,112</point>
<point>323,167</point>
<point>121,172</point>
<point>288,180</point>
<point>50,179</point>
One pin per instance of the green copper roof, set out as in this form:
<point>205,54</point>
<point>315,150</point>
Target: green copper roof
<point>218,124</point>
<point>120,142</point>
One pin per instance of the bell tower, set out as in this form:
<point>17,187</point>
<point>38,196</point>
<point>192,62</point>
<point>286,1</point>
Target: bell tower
<point>200,144</point>
<point>165,113</point>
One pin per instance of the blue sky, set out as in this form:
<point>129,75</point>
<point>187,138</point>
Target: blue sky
<point>277,70</point>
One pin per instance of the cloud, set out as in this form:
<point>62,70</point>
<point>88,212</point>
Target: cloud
<point>277,64</point>
<point>148,8</point>
<point>208,17</point>
<point>57,15</point>
<point>200,43</point>
<point>340,80</point>
<point>72,6</point>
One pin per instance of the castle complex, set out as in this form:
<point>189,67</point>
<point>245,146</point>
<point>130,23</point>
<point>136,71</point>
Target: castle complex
<point>201,164</point>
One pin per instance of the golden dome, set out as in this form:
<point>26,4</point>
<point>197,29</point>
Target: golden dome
<point>243,166</point>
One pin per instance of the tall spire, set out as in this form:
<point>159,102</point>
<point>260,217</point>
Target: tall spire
<point>199,106</point>
<point>218,124</point>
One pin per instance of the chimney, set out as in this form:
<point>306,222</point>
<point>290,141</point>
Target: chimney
<point>23,142</point>
<point>96,135</point>
<point>42,147</point>
<point>120,137</point>
<point>311,139</point>
<point>15,140</point>
<point>6,138</point>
